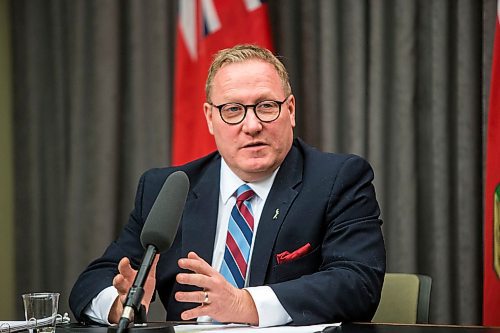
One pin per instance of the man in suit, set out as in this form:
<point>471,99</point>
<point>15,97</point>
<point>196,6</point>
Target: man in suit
<point>315,250</point>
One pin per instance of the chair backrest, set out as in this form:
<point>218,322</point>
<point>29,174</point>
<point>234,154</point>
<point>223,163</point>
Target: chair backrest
<point>405,299</point>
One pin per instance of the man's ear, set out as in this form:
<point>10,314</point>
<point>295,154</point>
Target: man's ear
<point>207,109</point>
<point>291,109</point>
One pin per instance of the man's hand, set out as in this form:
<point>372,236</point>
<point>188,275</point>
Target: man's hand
<point>225,302</point>
<point>124,280</point>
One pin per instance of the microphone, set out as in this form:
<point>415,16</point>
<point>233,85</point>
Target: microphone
<point>157,236</point>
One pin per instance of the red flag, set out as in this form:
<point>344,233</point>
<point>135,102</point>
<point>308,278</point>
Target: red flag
<point>204,27</point>
<point>491,291</point>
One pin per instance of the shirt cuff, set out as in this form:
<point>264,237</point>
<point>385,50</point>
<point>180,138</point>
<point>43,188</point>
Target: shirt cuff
<point>98,309</point>
<point>269,308</point>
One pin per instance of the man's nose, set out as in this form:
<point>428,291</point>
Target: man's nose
<point>251,123</point>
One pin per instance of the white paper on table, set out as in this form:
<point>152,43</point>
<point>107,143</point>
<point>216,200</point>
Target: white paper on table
<point>219,328</point>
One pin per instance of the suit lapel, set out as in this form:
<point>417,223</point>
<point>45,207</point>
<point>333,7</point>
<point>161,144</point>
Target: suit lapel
<point>281,197</point>
<point>200,214</point>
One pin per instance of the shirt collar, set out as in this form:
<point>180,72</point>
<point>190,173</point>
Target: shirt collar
<point>229,183</point>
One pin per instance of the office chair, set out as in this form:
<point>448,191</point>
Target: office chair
<point>405,299</point>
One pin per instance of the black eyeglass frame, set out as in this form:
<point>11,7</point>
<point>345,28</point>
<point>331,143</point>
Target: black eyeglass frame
<point>254,106</point>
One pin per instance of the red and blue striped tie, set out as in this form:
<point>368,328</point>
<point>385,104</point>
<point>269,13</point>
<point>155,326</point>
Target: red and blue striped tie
<point>239,238</point>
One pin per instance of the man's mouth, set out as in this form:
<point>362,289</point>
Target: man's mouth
<point>253,144</point>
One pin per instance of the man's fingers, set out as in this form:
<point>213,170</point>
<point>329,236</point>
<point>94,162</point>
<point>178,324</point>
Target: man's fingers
<point>149,287</point>
<point>120,284</point>
<point>123,280</point>
<point>193,313</point>
<point>193,255</point>
<point>125,269</point>
<point>191,279</point>
<point>152,272</point>
<point>196,264</point>
<point>123,298</point>
<point>191,297</point>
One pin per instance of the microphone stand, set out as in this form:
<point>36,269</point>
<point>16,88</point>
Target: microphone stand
<point>133,307</point>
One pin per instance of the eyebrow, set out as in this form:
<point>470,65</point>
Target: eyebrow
<point>255,101</point>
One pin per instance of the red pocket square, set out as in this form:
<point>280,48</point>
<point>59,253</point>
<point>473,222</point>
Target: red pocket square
<point>287,256</point>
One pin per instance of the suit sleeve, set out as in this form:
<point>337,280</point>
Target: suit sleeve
<point>100,273</point>
<point>348,283</point>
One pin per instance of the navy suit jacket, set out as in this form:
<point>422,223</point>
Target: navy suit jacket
<point>324,199</point>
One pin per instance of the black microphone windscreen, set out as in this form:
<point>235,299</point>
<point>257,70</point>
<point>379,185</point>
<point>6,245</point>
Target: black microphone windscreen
<point>163,220</point>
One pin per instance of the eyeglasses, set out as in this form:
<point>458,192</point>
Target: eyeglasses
<point>235,113</point>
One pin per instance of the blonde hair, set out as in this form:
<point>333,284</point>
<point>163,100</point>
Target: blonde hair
<point>242,53</point>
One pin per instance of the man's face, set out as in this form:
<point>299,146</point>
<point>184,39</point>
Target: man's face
<point>252,149</point>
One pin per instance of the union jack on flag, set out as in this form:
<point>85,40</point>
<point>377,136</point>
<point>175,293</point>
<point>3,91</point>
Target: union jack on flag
<point>205,27</point>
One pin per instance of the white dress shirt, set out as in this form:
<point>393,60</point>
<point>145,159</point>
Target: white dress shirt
<point>269,308</point>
